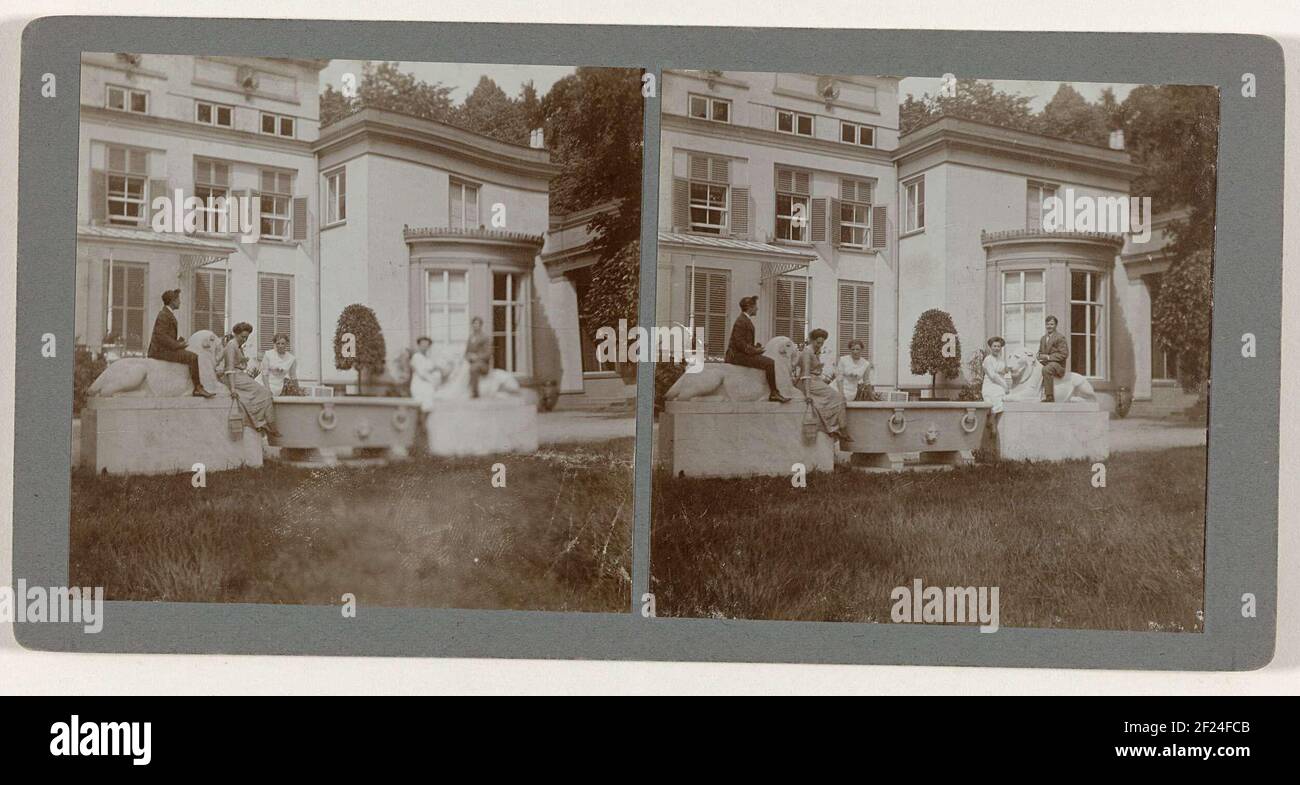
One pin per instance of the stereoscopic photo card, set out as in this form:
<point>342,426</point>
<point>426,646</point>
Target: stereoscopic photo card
<point>803,345</point>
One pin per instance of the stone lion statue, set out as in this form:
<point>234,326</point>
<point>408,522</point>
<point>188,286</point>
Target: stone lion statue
<point>145,377</point>
<point>454,371</point>
<point>727,382</point>
<point>1027,381</point>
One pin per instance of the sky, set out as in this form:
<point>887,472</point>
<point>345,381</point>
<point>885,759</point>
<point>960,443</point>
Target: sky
<point>462,76</point>
<point>1039,92</point>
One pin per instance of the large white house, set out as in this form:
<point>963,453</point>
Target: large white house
<point>428,224</point>
<point>799,189</point>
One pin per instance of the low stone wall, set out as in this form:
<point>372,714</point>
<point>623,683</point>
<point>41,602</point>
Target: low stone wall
<point>885,433</point>
<point>483,426</point>
<point>137,435</point>
<point>1030,431</point>
<point>726,439</point>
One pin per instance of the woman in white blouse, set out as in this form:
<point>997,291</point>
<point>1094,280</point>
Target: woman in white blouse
<point>278,364</point>
<point>997,381</point>
<point>853,371</point>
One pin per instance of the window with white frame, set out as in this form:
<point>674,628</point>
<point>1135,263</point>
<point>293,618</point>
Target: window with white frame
<point>705,107</point>
<point>792,205</point>
<point>855,213</point>
<point>209,309</point>
<point>790,309</point>
<point>510,321</point>
<point>796,123</point>
<point>914,205</point>
<point>857,133</point>
<point>277,124</point>
<point>125,99</point>
<point>208,113</point>
<point>464,205</point>
<point>1087,323</point>
<point>446,302</point>
<point>1035,195</point>
<point>127,175</point>
<point>709,206</point>
<point>336,197</point>
<point>275,200</point>
<point>212,183</point>
<point>1024,303</point>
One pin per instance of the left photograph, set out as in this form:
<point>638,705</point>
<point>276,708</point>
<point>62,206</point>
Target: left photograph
<point>341,332</point>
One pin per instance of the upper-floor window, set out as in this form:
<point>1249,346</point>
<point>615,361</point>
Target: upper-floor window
<point>275,198</point>
<point>209,113</point>
<point>127,173</point>
<point>914,205</point>
<point>125,99</point>
<point>277,125</point>
<point>212,183</point>
<point>336,197</point>
<point>793,189</point>
<point>796,123</point>
<point>710,179</point>
<point>1035,196</point>
<point>464,205</point>
<point>856,133</point>
<point>707,107</point>
<point>855,213</point>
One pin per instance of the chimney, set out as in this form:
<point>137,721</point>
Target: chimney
<point>537,138</point>
<point>1117,139</point>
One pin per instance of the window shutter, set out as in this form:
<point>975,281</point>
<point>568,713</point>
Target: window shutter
<point>802,183</point>
<point>681,204</point>
<point>98,196</point>
<point>218,281</point>
<point>300,219</point>
<point>283,308</point>
<point>879,226</point>
<point>157,187</point>
<point>781,313</point>
<point>855,316</point>
<point>254,210</point>
<point>720,170</point>
<point>740,212</point>
<point>835,222</point>
<point>265,312</point>
<point>784,180</point>
<point>819,220</point>
<point>699,167</point>
<point>848,190</point>
<point>710,309</point>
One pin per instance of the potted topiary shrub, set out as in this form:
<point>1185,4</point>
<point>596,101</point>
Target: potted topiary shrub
<point>359,344</point>
<point>936,349</point>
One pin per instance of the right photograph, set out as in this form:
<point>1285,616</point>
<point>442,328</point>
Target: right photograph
<point>948,350</point>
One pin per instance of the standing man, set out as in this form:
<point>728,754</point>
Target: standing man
<point>167,345</point>
<point>743,350</point>
<point>478,352</point>
<point>1053,351</point>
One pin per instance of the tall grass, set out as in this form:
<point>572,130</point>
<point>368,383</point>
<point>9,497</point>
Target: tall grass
<point>1129,556</point>
<point>424,533</point>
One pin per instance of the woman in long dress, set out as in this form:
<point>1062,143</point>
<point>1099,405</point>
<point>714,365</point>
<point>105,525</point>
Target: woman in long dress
<point>254,398</point>
<point>826,400</point>
<point>997,381</point>
<point>424,375</point>
<point>853,371</point>
<point>278,364</point>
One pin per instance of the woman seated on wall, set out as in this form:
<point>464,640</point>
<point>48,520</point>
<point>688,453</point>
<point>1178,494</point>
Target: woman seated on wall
<point>826,401</point>
<point>254,398</point>
<point>279,365</point>
<point>853,372</point>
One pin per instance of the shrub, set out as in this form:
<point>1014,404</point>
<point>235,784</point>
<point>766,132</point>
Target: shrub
<point>930,350</point>
<point>368,342</point>
<point>86,368</point>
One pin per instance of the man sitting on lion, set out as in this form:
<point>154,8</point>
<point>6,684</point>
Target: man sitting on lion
<point>1053,351</point>
<point>167,345</point>
<point>743,350</point>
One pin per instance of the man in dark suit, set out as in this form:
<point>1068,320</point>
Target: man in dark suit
<point>1053,351</point>
<point>167,345</point>
<point>743,350</point>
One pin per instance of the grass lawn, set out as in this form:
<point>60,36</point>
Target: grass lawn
<point>428,532</point>
<point>1129,556</point>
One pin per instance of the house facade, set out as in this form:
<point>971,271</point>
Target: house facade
<point>208,127</point>
<point>949,216</point>
<point>427,224</point>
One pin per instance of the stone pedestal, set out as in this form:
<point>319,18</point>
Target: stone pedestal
<point>483,426</point>
<point>1031,431</point>
<point>137,435</point>
<point>725,439</point>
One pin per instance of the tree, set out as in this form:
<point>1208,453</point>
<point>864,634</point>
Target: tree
<point>935,349</point>
<point>1069,116</point>
<point>971,100</point>
<point>593,121</point>
<point>359,342</point>
<point>384,86</point>
<point>489,111</point>
<point>1181,315</point>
